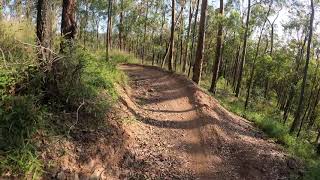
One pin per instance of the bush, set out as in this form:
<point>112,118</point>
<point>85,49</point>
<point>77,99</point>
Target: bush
<point>269,119</point>
<point>19,118</point>
<point>79,76</point>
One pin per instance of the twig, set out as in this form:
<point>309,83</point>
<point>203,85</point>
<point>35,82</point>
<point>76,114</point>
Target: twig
<point>77,120</point>
<point>28,44</point>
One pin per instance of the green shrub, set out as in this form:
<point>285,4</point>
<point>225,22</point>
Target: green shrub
<point>268,118</point>
<point>21,162</point>
<point>80,76</point>
<point>19,118</point>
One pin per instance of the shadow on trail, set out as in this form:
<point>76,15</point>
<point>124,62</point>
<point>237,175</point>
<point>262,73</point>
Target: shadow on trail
<point>244,152</point>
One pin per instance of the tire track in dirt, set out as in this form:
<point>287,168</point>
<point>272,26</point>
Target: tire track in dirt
<point>183,133</point>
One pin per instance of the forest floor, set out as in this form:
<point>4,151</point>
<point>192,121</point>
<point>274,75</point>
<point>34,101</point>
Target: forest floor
<point>178,131</point>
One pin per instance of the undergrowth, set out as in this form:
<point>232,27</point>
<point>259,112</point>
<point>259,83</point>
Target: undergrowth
<point>85,77</point>
<point>266,116</point>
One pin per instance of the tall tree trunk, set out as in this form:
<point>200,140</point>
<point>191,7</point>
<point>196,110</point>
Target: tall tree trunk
<point>309,107</point>
<point>252,72</point>
<point>244,50</point>
<point>97,35</point>
<point>110,23</point>
<point>313,109</point>
<point>121,25</point>
<point>295,80</point>
<point>181,42</point>
<point>235,69</point>
<point>197,68</point>
<point>267,83</point>
<point>255,59</point>
<point>187,39</point>
<point>218,53</point>
<point>297,119</point>
<point>68,23</point>
<point>177,54</point>
<point>153,44</point>
<point>43,31</point>
<point>86,17</point>
<point>145,33</point>
<point>194,30</point>
<point>171,48</point>
<point>109,29</point>
<point>163,22</point>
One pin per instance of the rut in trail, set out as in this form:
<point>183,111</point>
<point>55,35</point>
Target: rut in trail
<point>183,133</point>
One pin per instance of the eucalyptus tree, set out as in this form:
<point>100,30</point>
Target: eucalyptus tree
<point>296,26</point>
<point>97,12</point>
<point>297,120</point>
<point>187,39</point>
<point>197,67</point>
<point>43,31</point>
<point>194,31</point>
<point>253,66</point>
<point>146,9</point>
<point>109,29</point>
<point>121,25</point>
<point>171,46</point>
<point>218,56</point>
<point>68,23</point>
<point>244,50</point>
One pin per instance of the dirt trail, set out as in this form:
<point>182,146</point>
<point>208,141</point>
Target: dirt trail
<point>180,132</point>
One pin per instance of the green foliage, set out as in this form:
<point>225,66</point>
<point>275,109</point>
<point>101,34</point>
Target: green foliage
<point>97,81</point>
<point>22,161</point>
<point>19,118</point>
<point>268,119</point>
<point>80,76</point>
<point>20,111</point>
<point>118,57</point>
